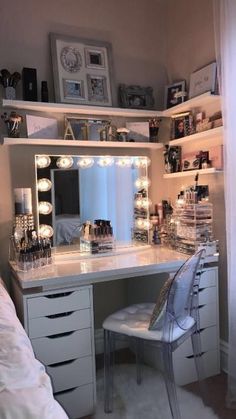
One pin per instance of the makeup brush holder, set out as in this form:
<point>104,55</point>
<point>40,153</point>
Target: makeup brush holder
<point>10,93</point>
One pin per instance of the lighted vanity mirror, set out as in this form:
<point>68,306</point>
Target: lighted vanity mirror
<point>74,189</point>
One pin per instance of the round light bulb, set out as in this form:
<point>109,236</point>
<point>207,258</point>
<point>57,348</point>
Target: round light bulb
<point>43,161</point>
<point>45,207</point>
<point>124,162</point>
<point>142,203</point>
<point>64,162</point>
<point>142,162</point>
<point>139,223</point>
<point>45,231</point>
<point>105,161</point>
<point>44,185</point>
<point>85,162</point>
<point>142,183</point>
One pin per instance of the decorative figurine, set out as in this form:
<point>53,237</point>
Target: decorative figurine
<point>13,123</point>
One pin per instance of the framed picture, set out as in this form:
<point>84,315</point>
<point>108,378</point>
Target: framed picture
<point>182,125</point>
<point>203,80</point>
<point>136,97</point>
<point>84,129</point>
<point>175,94</point>
<point>82,70</point>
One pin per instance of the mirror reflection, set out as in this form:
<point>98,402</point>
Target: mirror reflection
<point>73,190</point>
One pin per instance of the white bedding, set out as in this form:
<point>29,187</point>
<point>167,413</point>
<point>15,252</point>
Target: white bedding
<point>67,228</point>
<point>25,388</point>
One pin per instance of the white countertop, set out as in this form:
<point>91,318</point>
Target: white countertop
<point>87,271</point>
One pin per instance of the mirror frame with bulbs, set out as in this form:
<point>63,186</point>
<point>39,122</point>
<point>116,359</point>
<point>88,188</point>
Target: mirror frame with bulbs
<point>44,188</point>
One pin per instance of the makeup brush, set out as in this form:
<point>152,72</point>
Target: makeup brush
<point>5,76</point>
<point>14,78</point>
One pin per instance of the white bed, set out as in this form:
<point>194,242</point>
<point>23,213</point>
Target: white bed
<point>25,388</point>
<point>66,228</point>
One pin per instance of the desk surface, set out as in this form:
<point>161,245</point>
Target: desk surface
<point>87,271</point>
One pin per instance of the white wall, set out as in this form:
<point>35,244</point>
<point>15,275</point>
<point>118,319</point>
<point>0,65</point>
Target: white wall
<point>147,37</point>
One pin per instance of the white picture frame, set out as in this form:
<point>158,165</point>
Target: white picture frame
<point>203,80</point>
<point>41,127</point>
<point>78,61</point>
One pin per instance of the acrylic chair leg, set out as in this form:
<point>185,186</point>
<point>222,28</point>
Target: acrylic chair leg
<point>170,382</point>
<point>108,371</point>
<point>139,358</point>
<point>197,352</point>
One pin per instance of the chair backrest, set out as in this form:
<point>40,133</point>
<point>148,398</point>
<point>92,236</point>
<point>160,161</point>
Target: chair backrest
<point>182,300</point>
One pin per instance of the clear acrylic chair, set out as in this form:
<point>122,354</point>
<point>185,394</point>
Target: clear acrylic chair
<point>180,320</point>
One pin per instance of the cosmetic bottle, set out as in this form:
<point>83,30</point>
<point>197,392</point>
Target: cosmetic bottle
<point>44,91</point>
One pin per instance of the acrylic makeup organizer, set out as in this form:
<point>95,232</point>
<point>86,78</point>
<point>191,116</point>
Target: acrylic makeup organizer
<point>193,225</point>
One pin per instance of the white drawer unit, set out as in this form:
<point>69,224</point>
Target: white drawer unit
<point>183,359</point>
<point>60,326</point>
<point>78,401</point>
<point>71,374</point>
<point>184,365</point>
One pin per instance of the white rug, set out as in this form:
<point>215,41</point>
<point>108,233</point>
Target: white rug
<point>147,401</point>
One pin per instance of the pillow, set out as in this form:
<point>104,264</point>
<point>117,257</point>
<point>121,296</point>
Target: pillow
<point>156,321</point>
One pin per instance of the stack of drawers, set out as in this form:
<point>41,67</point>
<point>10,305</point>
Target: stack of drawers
<point>183,359</point>
<point>60,327</point>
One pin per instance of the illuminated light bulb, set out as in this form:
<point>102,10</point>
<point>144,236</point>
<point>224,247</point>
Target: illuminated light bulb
<point>44,185</point>
<point>139,223</point>
<point>64,162</point>
<point>147,224</point>
<point>142,203</point>
<point>85,162</point>
<point>42,161</point>
<point>45,231</point>
<point>124,162</point>
<point>141,162</point>
<point>105,161</point>
<point>142,183</point>
<point>45,207</point>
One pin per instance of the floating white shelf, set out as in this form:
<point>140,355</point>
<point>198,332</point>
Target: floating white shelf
<point>75,143</point>
<point>80,109</point>
<point>214,135</point>
<point>198,101</point>
<point>209,171</point>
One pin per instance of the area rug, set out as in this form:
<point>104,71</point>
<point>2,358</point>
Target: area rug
<point>148,400</point>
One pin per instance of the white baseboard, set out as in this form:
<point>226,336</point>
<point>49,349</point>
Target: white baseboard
<point>224,351</point>
<point>99,343</point>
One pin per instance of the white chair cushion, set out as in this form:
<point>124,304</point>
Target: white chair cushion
<point>134,321</point>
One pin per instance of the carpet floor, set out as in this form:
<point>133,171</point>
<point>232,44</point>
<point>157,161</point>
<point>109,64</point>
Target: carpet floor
<point>148,400</point>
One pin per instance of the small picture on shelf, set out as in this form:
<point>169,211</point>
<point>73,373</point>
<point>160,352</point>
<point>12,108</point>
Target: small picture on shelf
<point>182,125</point>
<point>172,159</point>
<point>175,94</point>
<point>195,161</point>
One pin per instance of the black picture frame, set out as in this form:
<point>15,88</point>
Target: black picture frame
<point>170,92</point>
<point>136,97</point>
<point>182,125</point>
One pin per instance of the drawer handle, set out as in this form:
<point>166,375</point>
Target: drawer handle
<point>62,294</point>
<point>59,335</point>
<point>192,356</point>
<point>61,363</point>
<point>55,316</point>
<point>65,391</point>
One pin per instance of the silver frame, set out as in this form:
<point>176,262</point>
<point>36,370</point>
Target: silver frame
<point>88,44</point>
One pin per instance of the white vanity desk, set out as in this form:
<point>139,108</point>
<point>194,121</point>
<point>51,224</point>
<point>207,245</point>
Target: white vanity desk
<point>55,304</point>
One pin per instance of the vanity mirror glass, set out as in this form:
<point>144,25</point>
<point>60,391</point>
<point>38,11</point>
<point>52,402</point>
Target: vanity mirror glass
<point>74,189</point>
